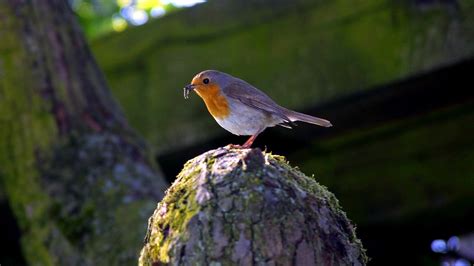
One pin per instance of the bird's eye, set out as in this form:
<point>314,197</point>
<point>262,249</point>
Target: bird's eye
<point>205,81</point>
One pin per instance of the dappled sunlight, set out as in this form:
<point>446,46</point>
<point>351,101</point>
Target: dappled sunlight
<point>183,3</point>
<point>138,12</point>
<point>101,17</point>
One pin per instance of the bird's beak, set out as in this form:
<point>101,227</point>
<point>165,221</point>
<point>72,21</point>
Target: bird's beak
<point>187,89</point>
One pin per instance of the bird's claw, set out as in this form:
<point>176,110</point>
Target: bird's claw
<point>238,146</point>
<point>235,146</point>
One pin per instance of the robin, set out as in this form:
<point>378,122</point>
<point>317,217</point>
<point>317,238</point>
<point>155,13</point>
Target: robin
<point>242,109</point>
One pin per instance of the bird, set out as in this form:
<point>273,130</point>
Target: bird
<point>241,108</point>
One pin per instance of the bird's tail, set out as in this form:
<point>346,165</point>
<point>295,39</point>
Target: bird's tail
<point>295,116</point>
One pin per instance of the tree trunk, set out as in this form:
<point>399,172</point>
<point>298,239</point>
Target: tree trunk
<point>79,180</point>
<point>245,207</point>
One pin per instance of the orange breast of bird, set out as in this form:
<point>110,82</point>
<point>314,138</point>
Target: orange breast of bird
<point>215,102</point>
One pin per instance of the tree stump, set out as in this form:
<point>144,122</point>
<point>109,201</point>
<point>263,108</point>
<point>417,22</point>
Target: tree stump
<point>245,207</point>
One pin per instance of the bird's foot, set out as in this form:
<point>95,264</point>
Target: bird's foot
<point>237,146</point>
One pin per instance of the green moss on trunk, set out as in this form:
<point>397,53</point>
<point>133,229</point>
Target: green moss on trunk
<point>79,181</point>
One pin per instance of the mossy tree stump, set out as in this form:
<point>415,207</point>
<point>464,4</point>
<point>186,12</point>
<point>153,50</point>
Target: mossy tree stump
<point>244,206</point>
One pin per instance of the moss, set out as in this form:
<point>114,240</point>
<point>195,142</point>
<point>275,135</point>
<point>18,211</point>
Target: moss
<point>180,206</point>
<point>18,147</point>
<point>308,184</point>
<point>74,191</point>
<point>226,199</point>
<point>75,226</point>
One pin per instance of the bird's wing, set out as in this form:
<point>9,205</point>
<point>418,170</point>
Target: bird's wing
<point>253,97</point>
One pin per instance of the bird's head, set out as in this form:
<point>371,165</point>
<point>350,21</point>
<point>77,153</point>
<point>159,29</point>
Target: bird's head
<point>206,83</point>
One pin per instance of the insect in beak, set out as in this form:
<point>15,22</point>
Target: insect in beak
<point>187,89</point>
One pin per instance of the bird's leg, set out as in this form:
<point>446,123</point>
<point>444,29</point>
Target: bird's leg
<point>250,141</point>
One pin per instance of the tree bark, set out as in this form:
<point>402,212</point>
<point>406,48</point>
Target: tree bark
<point>246,207</point>
<point>79,180</point>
